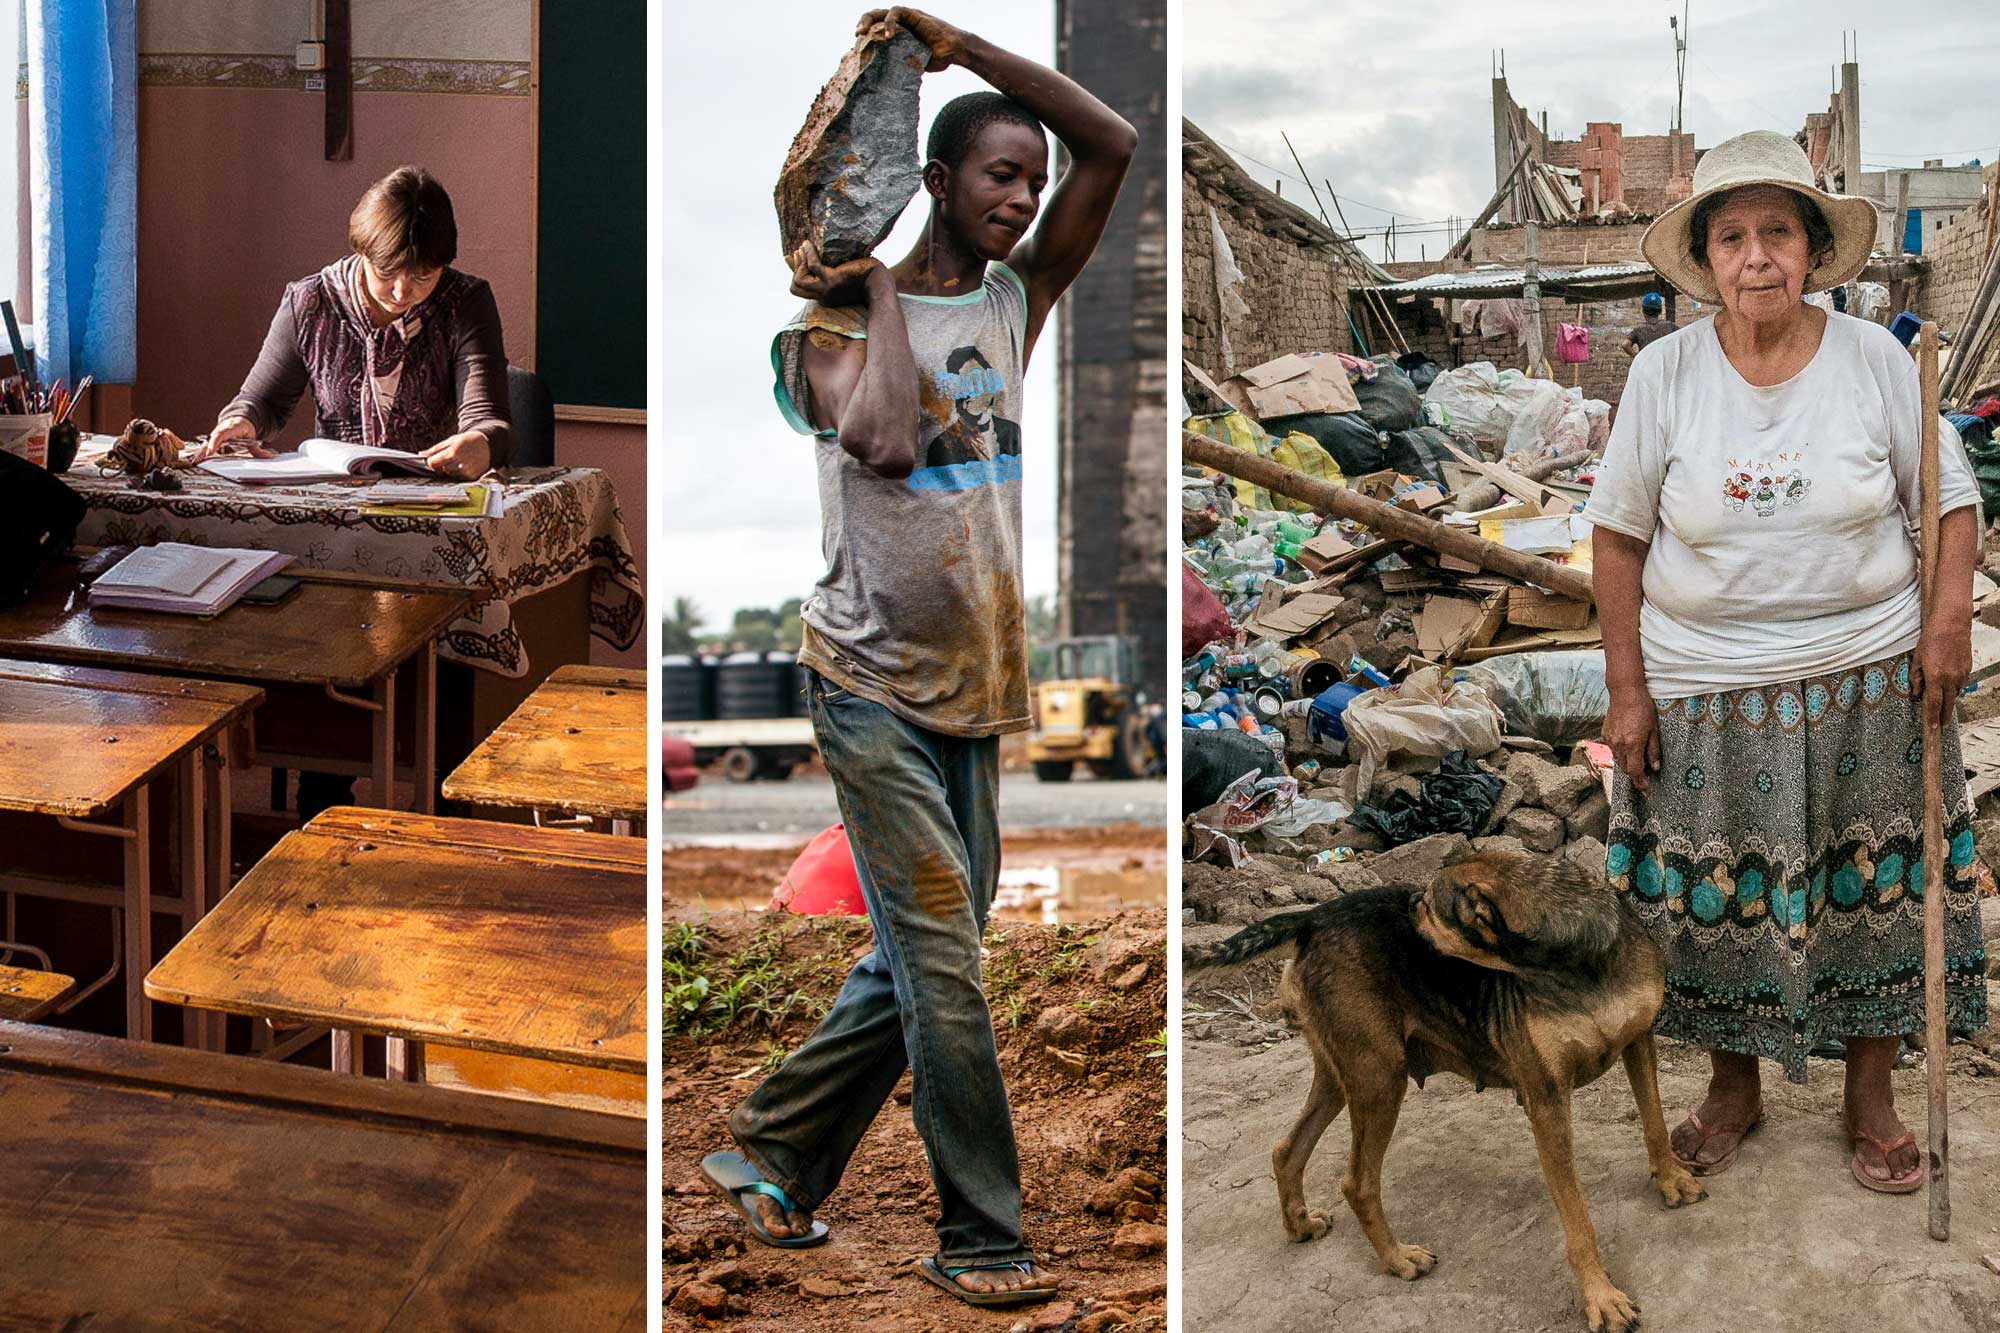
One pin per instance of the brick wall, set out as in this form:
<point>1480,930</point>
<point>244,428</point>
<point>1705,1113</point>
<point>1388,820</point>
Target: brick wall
<point>1294,287</point>
<point>1584,243</point>
<point>1958,259</point>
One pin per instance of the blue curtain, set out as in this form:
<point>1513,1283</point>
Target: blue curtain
<point>83,141</point>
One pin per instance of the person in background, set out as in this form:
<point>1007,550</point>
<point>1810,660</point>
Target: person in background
<point>401,351</point>
<point>1656,327</point>
<point>910,380</point>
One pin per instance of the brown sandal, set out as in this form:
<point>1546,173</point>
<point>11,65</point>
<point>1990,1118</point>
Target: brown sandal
<point>1724,1162</point>
<point>1908,1183</point>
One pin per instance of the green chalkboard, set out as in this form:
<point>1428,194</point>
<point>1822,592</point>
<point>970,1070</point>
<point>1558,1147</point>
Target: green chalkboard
<point>590,261</point>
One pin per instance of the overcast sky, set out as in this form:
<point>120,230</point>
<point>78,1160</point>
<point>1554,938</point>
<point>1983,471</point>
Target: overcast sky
<point>1394,105</point>
<point>740,523</point>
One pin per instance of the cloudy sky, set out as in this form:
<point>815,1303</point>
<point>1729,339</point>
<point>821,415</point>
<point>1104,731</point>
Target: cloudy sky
<point>740,522</point>
<point>1394,106</point>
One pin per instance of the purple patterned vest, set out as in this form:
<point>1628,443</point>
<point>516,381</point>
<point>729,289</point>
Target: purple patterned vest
<point>333,337</point>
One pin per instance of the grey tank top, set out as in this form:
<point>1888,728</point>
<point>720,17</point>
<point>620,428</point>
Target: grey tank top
<point>920,606</point>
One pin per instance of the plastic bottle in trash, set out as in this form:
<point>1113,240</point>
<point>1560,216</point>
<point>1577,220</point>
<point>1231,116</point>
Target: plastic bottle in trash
<point>1248,723</point>
<point>1200,722</point>
<point>1295,530</point>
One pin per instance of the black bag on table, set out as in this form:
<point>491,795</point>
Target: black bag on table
<point>39,516</point>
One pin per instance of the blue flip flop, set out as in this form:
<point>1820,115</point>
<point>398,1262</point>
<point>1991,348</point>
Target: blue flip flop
<point>938,1275</point>
<point>733,1176</point>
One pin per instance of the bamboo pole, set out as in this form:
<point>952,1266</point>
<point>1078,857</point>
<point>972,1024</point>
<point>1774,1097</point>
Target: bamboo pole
<point>1387,520</point>
<point>1936,1050</point>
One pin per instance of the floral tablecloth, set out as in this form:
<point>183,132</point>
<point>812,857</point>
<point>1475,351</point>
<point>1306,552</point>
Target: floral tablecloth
<point>555,522</point>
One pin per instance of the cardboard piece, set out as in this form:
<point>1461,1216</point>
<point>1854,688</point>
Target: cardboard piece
<point>1299,614</point>
<point>1295,383</point>
<point>1531,536</point>
<point>1519,641</point>
<point>1377,485</point>
<point>1544,610</point>
<point>1422,499</point>
<point>1319,552</point>
<point>1202,377</point>
<point>1446,622</point>
<point>1979,748</point>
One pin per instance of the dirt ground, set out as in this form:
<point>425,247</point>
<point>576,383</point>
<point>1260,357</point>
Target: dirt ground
<point>1786,1240</point>
<point>1080,1011</point>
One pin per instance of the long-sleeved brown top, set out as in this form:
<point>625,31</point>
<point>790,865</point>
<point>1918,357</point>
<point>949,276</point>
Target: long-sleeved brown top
<point>454,374</point>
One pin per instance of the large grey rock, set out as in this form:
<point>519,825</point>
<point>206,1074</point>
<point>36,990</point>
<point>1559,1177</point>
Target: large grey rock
<point>853,167</point>
<point>1558,788</point>
<point>1418,862</point>
<point>1592,818</point>
<point>1538,830</point>
<point>1587,852</point>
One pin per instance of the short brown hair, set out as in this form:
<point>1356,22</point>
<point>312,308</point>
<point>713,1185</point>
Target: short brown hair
<point>404,223</point>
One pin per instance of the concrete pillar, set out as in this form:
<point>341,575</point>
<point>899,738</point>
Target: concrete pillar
<point>1850,126</point>
<point>1504,150</point>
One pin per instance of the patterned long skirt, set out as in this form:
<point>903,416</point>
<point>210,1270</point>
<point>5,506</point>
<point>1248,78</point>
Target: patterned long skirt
<point>1778,861</point>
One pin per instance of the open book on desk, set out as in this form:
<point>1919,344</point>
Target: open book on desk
<point>318,460</point>
<point>192,580</point>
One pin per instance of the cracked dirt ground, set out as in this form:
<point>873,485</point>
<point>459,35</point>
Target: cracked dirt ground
<point>1786,1240</point>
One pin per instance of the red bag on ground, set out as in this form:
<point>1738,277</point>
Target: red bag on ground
<point>1203,617</point>
<point>822,881</point>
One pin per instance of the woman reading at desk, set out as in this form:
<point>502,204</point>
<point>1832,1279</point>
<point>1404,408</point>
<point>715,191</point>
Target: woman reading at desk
<point>401,350</point>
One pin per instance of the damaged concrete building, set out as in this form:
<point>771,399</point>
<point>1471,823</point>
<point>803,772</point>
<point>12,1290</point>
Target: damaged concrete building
<point>1587,202</point>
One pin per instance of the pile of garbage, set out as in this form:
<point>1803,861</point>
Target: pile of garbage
<point>1356,705</point>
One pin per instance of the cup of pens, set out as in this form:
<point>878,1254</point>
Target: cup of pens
<point>35,423</point>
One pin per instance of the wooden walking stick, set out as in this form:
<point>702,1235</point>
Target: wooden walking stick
<point>1936,1050</point>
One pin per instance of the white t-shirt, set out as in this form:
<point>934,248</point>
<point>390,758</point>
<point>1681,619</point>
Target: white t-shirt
<point>1780,518</point>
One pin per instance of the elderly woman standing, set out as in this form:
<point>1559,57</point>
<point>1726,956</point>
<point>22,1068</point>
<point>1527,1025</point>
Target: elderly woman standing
<point>1769,664</point>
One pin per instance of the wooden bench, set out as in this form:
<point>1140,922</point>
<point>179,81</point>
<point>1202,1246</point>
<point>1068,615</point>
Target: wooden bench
<point>26,995</point>
<point>339,639</point>
<point>497,937</point>
<point>78,744</point>
<point>154,1187</point>
<point>576,745</point>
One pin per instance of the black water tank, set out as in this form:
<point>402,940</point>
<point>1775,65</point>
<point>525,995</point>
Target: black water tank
<point>687,688</point>
<point>754,685</point>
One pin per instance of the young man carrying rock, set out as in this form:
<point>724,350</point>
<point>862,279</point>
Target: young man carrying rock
<point>910,380</point>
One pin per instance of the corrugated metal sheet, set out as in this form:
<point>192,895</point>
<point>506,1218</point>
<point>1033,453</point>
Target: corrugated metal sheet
<point>1555,279</point>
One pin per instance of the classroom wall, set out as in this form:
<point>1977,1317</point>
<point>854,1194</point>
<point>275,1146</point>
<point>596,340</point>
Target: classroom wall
<point>236,198</point>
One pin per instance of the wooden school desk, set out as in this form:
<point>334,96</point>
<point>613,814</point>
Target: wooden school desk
<point>498,937</point>
<point>553,570</point>
<point>154,1187</point>
<point>577,745</point>
<point>331,648</point>
<point>79,744</point>
<point>26,995</point>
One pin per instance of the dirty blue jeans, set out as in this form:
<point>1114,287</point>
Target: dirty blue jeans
<point>921,811</point>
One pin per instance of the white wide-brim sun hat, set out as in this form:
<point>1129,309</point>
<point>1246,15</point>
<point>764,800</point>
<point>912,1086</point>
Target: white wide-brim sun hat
<point>1760,157</point>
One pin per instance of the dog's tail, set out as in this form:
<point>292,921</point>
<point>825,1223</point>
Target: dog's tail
<point>1270,933</point>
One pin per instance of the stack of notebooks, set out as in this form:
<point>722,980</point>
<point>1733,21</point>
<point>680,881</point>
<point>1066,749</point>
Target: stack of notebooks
<point>191,580</point>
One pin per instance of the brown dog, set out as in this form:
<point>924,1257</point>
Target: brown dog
<point>1514,971</point>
